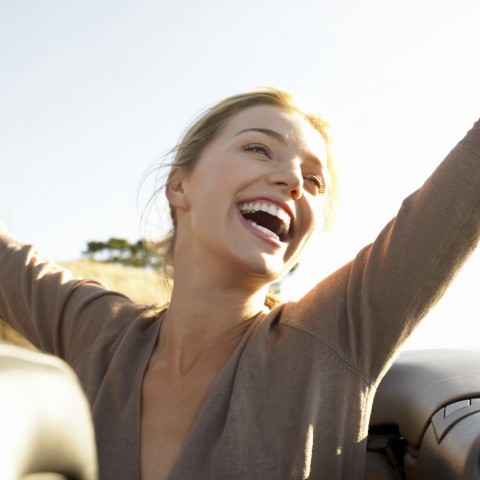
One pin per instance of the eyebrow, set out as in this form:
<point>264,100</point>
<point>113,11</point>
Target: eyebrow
<point>266,131</point>
<point>279,137</point>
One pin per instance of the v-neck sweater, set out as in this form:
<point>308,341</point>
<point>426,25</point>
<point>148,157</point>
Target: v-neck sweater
<point>294,399</point>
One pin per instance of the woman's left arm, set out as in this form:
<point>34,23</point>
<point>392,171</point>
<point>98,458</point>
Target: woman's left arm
<point>367,309</point>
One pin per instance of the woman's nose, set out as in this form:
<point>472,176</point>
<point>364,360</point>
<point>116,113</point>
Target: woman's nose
<point>289,178</point>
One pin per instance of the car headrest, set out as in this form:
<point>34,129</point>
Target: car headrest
<point>419,383</point>
<point>46,425</point>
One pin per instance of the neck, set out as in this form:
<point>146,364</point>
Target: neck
<point>206,316</point>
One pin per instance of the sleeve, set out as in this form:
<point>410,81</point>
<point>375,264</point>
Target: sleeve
<point>367,309</point>
<point>55,312</point>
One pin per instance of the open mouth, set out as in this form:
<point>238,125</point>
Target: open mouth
<point>268,218</point>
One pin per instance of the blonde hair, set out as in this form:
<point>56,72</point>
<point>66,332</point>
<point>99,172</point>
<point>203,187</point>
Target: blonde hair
<point>203,130</point>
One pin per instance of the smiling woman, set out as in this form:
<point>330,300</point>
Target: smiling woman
<point>214,120</point>
<point>217,385</point>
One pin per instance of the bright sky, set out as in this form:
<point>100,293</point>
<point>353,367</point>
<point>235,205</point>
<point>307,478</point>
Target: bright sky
<point>92,92</point>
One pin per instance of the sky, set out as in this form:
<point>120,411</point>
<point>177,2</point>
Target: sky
<point>92,94</point>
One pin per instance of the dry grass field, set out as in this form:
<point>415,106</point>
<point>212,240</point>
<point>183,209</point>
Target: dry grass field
<point>141,285</point>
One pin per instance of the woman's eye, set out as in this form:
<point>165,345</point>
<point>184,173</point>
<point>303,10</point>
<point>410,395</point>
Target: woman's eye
<point>258,148</point>
<point>317,182</point>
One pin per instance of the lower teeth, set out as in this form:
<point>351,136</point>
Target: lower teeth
<point>264,230</point>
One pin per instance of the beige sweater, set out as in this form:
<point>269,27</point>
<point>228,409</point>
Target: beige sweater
<point>294,399</point>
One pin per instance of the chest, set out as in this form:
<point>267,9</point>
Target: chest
<point>170,407</point>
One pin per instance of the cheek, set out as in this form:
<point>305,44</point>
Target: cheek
<point>318,218</point>
<point>315,213</point>
<point>213,167</point>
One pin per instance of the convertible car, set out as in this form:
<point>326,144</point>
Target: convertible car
<point>425,422</point>
<point>46,431</point>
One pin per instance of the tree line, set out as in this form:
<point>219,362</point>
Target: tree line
<point>119,250</point>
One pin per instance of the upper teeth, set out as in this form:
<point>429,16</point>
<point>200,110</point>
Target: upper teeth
<point>269,208</point>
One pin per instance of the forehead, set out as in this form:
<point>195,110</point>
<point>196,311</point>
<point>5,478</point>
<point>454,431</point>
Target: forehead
<point>292,126</point>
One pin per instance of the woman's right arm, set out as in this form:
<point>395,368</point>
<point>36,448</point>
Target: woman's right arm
<point>54,311</point>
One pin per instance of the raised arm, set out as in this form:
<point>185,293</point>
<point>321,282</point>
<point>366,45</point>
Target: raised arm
<point>55,312</point>
<point>366,310</point>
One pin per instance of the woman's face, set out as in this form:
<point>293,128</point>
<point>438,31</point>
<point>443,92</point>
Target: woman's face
<point>255,195</point>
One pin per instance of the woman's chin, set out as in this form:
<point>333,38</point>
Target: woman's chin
<point>267,270</point>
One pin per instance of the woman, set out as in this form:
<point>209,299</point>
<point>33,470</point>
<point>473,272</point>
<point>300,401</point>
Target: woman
<point>218,385</point>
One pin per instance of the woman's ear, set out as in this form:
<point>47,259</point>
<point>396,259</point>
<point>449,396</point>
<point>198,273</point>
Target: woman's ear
<point>175,191</point>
